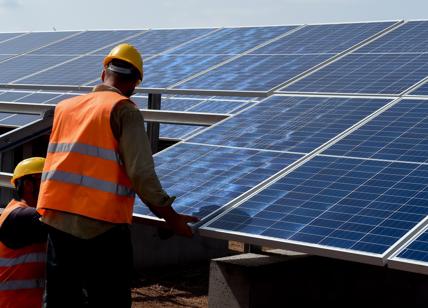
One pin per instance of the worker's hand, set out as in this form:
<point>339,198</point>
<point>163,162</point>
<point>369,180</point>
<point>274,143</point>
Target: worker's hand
<point>179,224</point>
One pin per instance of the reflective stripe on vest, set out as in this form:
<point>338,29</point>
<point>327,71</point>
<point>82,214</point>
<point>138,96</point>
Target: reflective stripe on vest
<point>90,182</point>
<point>21,284</point>
<point>27,258</point>
<point>84,149</point>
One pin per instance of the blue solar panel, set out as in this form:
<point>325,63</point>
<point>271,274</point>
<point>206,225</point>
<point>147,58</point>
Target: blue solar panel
<point>254,73</point>
<point>22,66</point>
<point>77,72</point>
<point>175,104</point>
<point>164,71</point>
<point>232,40</point>
<point>400,133</point>
<point>13,96</point>
<point>86,42</point>
<point>156,41</point>
<point>366,73</point>
<point>8,36</point>
<point>19,119</point>
<point>38,98</point>
<point>4,57</point>
<point>4,115</point>
<point>361,205</point>
<point>290,123</point>
<point>217,106</point>
<point>422,90</point>
<point>410,37</point>
<point>31,41</point>
<point>178,131</point>
<point>58,99</point>
<point>204,178</point>
<point>417,250</point>
<point>323,38</point>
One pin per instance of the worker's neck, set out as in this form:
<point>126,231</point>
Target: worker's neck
<point>113,85</point>
<point>29,200</point>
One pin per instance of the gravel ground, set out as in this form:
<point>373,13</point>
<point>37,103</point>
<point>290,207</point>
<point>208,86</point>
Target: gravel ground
<point>184,286</point>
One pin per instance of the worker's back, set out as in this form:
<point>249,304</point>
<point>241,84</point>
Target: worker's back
<point>22,270</point>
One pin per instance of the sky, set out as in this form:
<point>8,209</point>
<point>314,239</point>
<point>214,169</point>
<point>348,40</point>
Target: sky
<point>46,15</point>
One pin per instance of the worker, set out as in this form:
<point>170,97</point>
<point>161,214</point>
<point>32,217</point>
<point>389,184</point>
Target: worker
<point>98,156</point>
<point>23,240</point>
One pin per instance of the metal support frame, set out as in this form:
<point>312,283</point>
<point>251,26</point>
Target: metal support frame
<point>26,133</point>
<point>153,127</point>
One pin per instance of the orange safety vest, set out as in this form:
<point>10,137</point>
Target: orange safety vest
<point>83,173</point>
<point>22,271</point>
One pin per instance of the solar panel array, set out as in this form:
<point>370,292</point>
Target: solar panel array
<point>390,64</point>
<point>340,175</point>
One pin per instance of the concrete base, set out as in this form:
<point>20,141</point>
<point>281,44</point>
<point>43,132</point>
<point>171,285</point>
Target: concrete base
<point>150,250</point>
<point>252,280</point>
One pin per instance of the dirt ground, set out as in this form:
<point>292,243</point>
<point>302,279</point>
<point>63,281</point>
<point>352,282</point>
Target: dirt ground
<point>184,286</point>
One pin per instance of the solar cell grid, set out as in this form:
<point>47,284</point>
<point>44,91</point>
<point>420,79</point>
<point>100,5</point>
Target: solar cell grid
<point>410,37</point>
<point>156,41</point>
<point>86,42</point>
<point>76,72</point>
<point>32,41</point>
<point>399,133</point>
<point>232,40</point>
<point>359,205</point>
<point>166,70</point>
<point>366,73</point>
<point>332,38</point>
<point>417,250</point>
<point>204,178</point>
<point>296,124</point>
<point>254,72</point>
<point>22,66</point>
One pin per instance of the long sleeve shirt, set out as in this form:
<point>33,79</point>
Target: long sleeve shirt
<point>127,124</point>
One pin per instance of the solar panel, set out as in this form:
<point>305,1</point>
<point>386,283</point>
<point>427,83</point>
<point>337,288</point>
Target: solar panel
<point>232,40</point>
<point>410,37</point>
<point>413,256</point>
<point>399,133</point>
<point>12,96</point>
<point>366,73</point>
<point>218,106</point>
<point>254,72</point>
<point>177,132</point>
<point>4,57</point>
<point>24,65</point>
<point>166,70</point>
<point>317,39</point>
<point>204,178</point>
<point>19,119</point>
<point>156,41</point>
<point>76,72</point>
<point>86,42</point>
<point>31,41</point>
<point>422,90</point>
<point>38,98</point>
<point>8,36</point>
<point>296,124</point>
<point>334,206</point>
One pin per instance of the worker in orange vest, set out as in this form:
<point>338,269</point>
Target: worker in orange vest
<point>98,158</point>
<point>23,241</point>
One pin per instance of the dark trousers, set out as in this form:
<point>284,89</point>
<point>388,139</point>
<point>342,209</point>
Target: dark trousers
<point>89,273</point>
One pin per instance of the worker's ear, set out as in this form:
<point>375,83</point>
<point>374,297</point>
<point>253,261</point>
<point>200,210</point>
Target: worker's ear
<point>103,75</point>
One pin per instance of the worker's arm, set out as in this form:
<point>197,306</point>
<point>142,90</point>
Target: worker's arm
<point>22,227</point>
<point>128,127</point>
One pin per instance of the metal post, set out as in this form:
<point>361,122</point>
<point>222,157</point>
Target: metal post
<point>152,127</point>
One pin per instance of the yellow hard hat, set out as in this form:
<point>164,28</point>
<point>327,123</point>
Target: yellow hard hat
<point>127,53</point>
<point>28,166</point>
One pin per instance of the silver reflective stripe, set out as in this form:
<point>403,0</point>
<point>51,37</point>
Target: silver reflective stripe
<point>21,284</point>
<point>28,258</point>
<point>84,149</point>
<point>77,179</point>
